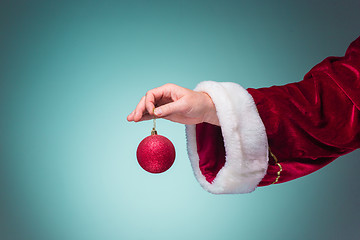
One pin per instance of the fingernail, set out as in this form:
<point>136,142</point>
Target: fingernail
<point>157,111</point>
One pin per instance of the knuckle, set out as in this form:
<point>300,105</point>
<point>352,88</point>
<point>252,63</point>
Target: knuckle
<point>170,85</point>
<point>150,94</point>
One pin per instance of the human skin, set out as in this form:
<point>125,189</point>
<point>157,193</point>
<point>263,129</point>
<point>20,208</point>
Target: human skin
<point>176,104</point>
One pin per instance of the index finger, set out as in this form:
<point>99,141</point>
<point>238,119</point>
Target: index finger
<point>153,96</point>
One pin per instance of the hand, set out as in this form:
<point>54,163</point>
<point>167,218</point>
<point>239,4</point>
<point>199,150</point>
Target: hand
<point>176,104</point>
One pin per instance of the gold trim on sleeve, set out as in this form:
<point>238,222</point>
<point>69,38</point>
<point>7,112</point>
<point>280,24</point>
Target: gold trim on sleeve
<point>277,163</point>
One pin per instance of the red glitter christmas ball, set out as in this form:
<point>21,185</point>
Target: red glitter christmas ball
<point>155,153</point>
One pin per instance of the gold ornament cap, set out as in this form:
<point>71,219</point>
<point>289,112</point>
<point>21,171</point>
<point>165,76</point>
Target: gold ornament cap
<point>153,131</point>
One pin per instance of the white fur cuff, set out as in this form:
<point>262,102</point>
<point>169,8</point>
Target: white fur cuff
<point>246,145</point>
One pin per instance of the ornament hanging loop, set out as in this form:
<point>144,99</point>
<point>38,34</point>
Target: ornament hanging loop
<point>153,131</point>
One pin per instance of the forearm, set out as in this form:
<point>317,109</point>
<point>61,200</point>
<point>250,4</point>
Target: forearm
<point>313,122</point>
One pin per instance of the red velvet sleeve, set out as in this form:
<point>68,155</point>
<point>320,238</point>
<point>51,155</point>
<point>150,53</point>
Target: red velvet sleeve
<point>312,122</point>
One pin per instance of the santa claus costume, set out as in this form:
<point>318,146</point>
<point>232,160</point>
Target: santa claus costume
<point>277,134</point>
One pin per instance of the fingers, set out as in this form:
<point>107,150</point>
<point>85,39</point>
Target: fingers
<point>139,110</point>
<point>130,117</point>
<point>157,95</point>
<point>150,100</point>
<point>161,102</point>
<point>144,117</point>
<point>170,108</point>
<point>145,108</point>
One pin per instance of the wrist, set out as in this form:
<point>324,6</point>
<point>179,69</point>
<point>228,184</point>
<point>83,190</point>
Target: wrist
<point>210,115</point>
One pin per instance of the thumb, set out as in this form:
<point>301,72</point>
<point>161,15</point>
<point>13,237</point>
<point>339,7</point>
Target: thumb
<point>168,109</point>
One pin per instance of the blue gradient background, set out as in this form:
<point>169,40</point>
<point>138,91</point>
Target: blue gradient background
<point>70,72</point>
